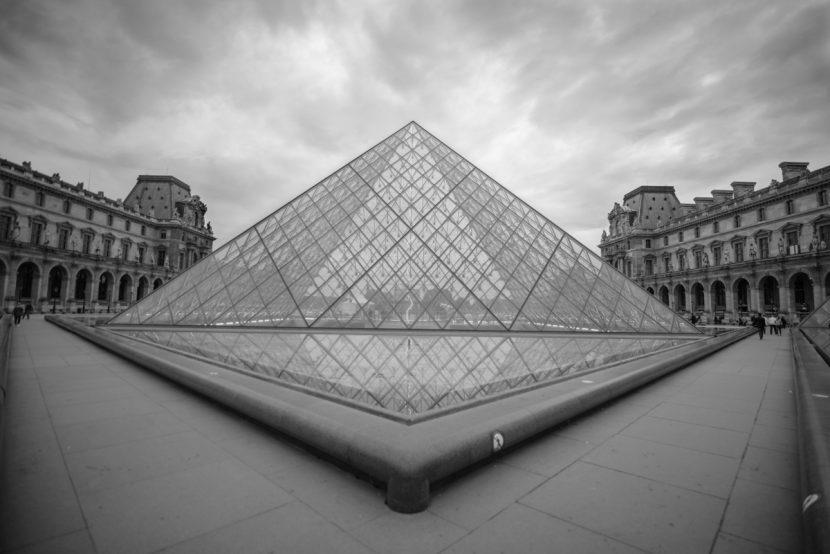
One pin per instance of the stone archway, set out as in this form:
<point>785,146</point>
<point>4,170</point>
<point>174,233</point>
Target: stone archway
<point>83,289</point>
<point>125,289</point>
<point>718,297</point>
<point>143,286</point>
<point>157,283</point>
<point>105,286</point>
<point>680,298</point>
<point>28,280</point>
<point>803,301</point>
<point>741,296</point>
<point>698,298</point>
<point>4,279</point>
<point>56,287</point>
<point>664,295</point>
<point>770,301</point>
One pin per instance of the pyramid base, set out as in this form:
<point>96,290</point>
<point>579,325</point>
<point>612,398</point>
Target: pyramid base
<point>408,458</point>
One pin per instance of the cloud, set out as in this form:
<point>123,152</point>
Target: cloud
<point>570,105</point>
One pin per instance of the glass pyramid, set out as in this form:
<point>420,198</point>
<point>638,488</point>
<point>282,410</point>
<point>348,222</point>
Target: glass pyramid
<point>817,326</point>
<point>409,238</point>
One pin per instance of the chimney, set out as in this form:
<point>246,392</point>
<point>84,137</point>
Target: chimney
<point>721,196</point>
<point>702,202</point>
<point>742,188</point>
<point>790,170</point>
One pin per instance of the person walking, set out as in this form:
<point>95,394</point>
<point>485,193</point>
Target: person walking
<point>770,322</point>
<point>28,311</point>
<point>760,323</point>
<point>18,314</point>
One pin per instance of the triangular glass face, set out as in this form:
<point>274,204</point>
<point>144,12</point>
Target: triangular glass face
<point>820,317</point>
<point>817,326</point>
<point>409,235</point>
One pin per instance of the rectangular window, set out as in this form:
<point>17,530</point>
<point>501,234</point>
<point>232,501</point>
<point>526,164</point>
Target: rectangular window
<point>143,230</point>
<point>822,197</point>
<point>790,207</point>
<point>716,227</point>
<point>697,232</point>
<point>160,259</point>
<point>107,248</point>
<point>792,242</point>
<point>127,225</point>
<point>681,262</point>
<point>666,265</point>
<point>40,198</point>
<point>737,220</point>
<point>739,252</point>
<point>649,267</point>
<point>63,238</point>
<point>90,213</point>
<point>164,234</point>
<point>125,250</point>
<point>698,259</point>
<point>680,236</point>
<point>109,220</point>
<point>141,254</point>
<point>181,260</point>
<point>86,243</point>
<point>8,190</point>
<point>762,214</point>
<point>37,232</point>
<point>5,227</point>
<point>665,241</point>
<point>716,253</point>
<point>763,247</point>
<point>67,206</point>
<point>824,237</point>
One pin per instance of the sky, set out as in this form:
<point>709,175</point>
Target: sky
<point>568,104</point>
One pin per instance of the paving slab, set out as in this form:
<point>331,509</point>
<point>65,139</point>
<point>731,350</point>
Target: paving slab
<point>650,515</point>
<point>712,474</point>
<point>523,529</point>
<point>155,513</point>
<point>293,528</point>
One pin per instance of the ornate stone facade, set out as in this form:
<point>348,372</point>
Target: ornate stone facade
<point>66,249</point>
<point>737,252</point>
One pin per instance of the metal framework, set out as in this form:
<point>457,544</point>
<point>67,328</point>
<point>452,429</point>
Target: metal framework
<point>442,287</point>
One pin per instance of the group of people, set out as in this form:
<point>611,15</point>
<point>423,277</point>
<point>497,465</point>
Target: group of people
<point>775,323</point>
<point>19,313</point>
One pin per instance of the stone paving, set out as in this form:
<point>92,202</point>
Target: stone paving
<point>101,456</point>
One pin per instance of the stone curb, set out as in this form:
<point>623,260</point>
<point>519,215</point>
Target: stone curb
<point>813,453</point>
<point>5,359</point>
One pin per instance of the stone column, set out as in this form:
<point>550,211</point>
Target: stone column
<point>754,298</point>
<point>729,301</point>
<point>688,297</point>
<point>784,300</point>
<point>11,291</point>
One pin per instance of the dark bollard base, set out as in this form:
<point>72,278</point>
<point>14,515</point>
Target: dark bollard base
<point>407,495</point>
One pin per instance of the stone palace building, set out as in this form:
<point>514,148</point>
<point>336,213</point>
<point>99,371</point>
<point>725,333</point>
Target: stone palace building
<point>67,249</point>
<point>737,252</point>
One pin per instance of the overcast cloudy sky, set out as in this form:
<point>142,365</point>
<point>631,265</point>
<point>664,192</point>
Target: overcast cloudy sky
<point>568,104</point>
